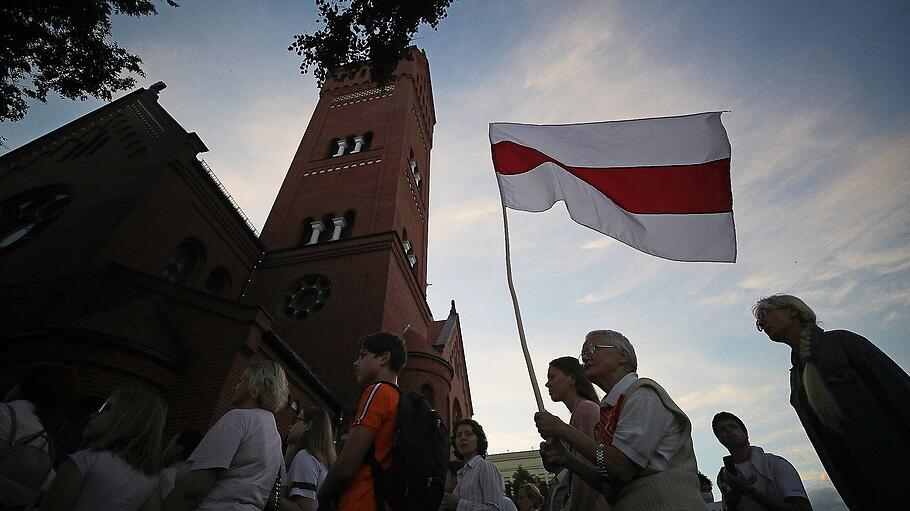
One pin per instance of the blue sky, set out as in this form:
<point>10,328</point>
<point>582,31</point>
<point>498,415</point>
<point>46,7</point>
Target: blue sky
<point>819,123</point>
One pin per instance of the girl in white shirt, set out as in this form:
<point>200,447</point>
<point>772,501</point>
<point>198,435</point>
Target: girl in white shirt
<point>118,470</point>
<point>310,453</point>
<point>479,481</point>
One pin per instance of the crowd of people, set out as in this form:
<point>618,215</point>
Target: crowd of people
<point>631,450</point>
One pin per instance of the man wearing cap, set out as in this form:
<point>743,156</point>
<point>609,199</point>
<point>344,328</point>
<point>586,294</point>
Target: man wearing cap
<point>642,454</point>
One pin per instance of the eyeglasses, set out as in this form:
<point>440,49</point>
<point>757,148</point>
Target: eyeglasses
<point>761,314</point>
<point>589,349</point>
<point>103,408</point>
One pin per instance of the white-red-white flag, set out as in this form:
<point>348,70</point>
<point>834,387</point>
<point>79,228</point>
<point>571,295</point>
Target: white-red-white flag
<point>660,185</point>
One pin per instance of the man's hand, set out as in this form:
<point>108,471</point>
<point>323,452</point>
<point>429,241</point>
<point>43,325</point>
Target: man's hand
<point>449,501</point>
<point>553,452</point>
<point>549,425</point>
<point>739,484</point>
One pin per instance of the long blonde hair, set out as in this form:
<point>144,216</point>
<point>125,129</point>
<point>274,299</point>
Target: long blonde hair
<point>318,440</point>
<point>820,398</point>
<point>136,429</point>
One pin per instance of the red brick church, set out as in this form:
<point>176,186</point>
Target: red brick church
<point>123,255</point>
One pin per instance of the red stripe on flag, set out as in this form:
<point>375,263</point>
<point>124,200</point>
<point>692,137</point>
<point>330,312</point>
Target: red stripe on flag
<point>670,189</point>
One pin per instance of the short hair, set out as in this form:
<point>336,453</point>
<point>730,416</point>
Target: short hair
<point>482,443</point>
<point>779,301</point>
<point>571,367</point>
<point>188,440</point>
<point>49,386</point>
<point>619,340</point>
<point>455,466</point>
<point>533,493</point>
<point>382,342</point>
<point>136,429</point>
<point>722,416</point>
<point>267,384</point>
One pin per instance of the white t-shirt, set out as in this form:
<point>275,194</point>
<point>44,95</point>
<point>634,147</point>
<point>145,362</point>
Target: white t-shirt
<point>305,476</point>
<point>647,432</point>
<point>785,483</point>
<point>244,442</point>
<point>110,483</point>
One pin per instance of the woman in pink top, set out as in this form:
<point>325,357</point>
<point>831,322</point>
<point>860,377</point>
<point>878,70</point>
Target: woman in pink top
<point>567,384</point>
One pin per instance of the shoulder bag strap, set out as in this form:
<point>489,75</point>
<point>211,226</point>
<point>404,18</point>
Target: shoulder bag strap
<point>12,423</point>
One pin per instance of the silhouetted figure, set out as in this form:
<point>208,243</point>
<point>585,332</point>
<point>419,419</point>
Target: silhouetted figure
<point>237,462</point>
<point>752,479</point>
<point>118,471</point>
<point>851,398</point>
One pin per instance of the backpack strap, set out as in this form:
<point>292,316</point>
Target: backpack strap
<point>12,423</point>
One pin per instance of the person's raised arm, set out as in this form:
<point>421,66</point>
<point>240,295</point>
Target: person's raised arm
<point>360,438</point>
<point>619,466</point>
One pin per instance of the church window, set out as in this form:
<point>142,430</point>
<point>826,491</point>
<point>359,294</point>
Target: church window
<point>456,412</point>
<point>316,228</point>
<point>188,257</point>
<point>218,282</point>
<point>341,146</point>
<point>358,144</point>
<point>427,392</point>
<point>415,172</point>
<point>26,213</point>
<point>339,224</point>
<point>306,296</point>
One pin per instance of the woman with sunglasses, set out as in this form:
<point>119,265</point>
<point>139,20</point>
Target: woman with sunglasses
<point>567,384</point>
<point>851,398</point>
<point>310,453</point>
<point>118,470</point>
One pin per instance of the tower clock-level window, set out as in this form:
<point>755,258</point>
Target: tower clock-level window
<point>188,257</point>
<point>23,215</point>
<point>306,296</point>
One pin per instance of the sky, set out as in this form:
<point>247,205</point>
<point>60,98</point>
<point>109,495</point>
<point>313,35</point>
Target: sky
<point>819,123</point>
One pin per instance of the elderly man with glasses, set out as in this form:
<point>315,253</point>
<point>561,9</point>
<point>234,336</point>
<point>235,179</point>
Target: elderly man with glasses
<point>642,455</point>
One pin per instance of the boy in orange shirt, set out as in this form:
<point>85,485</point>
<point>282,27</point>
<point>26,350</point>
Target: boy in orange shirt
<point>381,358</point>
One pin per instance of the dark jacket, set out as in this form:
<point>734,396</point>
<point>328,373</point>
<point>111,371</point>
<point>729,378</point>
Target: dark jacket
<point>868,462</point>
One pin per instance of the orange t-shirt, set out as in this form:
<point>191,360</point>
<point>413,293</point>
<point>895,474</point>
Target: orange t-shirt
<point>377,412</point>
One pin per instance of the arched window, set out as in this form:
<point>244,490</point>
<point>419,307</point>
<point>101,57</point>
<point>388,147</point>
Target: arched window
<point>427,392</point>
<point>26,213</point>
<point>188,257</point>
<point>218,282</point>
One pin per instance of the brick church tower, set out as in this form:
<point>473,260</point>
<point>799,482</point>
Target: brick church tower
<point>346,239</point>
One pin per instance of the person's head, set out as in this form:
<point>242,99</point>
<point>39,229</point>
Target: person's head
<point>262,385</point>
<point>469,440</point>
<point>49,387</point>
<point>130,424</point>
<point>181,446</point>
<point>380,353</point>
<point>607,357</point>
<point>312,430</point>
<point>565,376</point>
<point>782,316</point>
<point>705,483</point>
<point>452,475</point>
<point>528,498</point>
<point>730,431</point>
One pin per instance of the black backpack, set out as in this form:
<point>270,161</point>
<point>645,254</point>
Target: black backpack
<point>420,455</point>
<point>23,467</point>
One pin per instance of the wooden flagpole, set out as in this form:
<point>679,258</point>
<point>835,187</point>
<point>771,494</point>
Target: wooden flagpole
<point>521,328</point>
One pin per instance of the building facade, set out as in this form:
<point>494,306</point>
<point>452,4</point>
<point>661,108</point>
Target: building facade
<point>123,255</point>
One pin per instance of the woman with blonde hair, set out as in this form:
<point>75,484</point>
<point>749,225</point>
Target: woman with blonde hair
<point>851,398</point>
<point>310,453</point>
<point>118,470</point>
<point>237,462</point>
